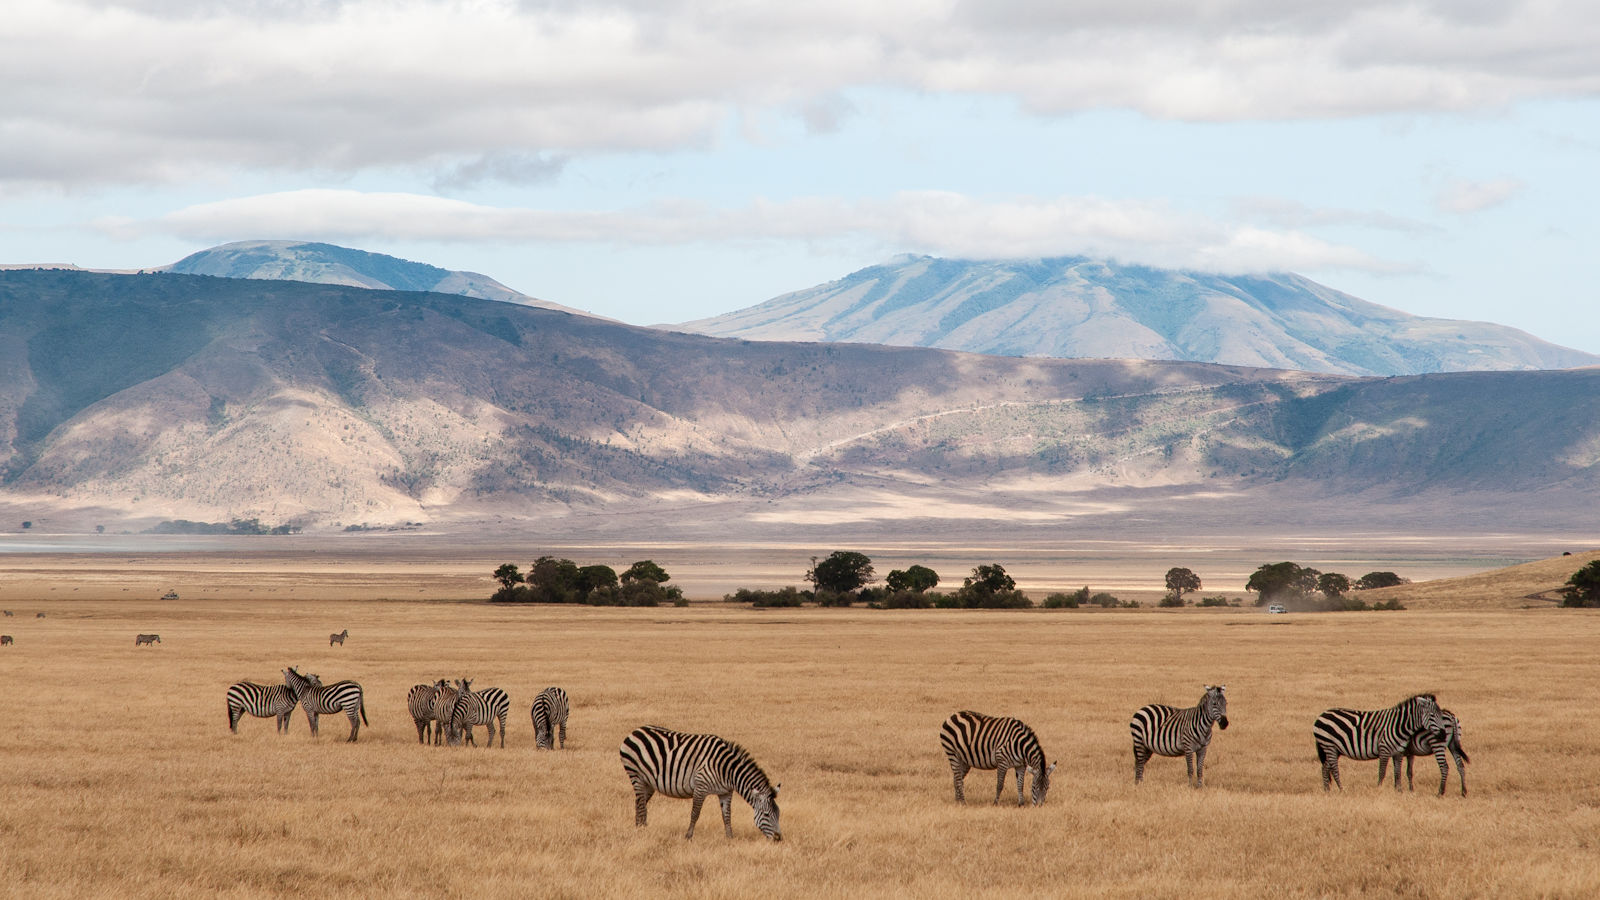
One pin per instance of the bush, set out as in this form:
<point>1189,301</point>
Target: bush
<point>1171,600</point>
<point>825,597</point>
<point>1103,600</point>
<point>947,601</point>
<point>907,600</point>
<point>789,596</point>
<point>1388,604</point>
<point>1218,600</point>
<point>1060,600</point>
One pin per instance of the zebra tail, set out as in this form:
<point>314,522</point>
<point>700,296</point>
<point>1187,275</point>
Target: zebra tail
<point>364,710</point>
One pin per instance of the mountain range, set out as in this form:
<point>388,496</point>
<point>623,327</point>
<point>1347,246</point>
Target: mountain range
<point>1076,307</point>
<point>167,395</point>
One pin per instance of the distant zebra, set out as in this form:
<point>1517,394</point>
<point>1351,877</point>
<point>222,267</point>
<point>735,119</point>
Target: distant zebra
<point>972,740</point>
<point>485,707</point>
<point>420,701</point>
<point>697,766</point>
<point>318,698</point>
<point>147,639</point>
<point>338,638</point>
<point>6,639</point>
<point>549,713</point>
<point>7,612</point>
<point>1169,731</point>
<point>1423,745</point>
<point>38,615</point>
<point>261,701</point>
<point>1374,734</point>
<point>443,704</point>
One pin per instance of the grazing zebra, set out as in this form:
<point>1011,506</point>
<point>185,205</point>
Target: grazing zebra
<point>7,612</point>
<point>318,698</point>
<point>443,704</point>
<point>1374,734</point>
<point>6,639</point>
<point>1169,731</point>
<point>147,639</point>
<point>697,766</point>
<point>261,701</point>
<point>483,707</point>
<point>973,740</point>
<point>38,615</point>
<point>1423,745</point>
<point>549,713</point>
<point>421,701</point>
<point>338,638</point>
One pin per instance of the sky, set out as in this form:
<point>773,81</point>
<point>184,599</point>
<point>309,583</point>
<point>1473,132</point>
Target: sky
<point>659,161</point>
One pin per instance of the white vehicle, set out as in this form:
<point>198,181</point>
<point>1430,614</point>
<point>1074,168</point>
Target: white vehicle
<point>1276,608</point>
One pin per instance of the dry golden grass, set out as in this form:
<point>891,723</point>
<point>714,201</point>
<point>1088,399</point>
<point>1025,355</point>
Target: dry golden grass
<point>120,777</point>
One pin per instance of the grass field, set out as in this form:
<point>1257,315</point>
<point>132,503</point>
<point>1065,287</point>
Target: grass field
<point>120,776</point>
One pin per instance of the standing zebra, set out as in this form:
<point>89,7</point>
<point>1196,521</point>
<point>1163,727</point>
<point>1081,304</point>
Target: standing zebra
<point>972,740</point>
<point>421,701</point>
<point>549,713</point>
<point>338,638</point>
<point>1168,731</point>
<point>1375,734</point>
<point>443,704</point>
<point>483,707</point>
<point>146,639</point>
<point>697,766</point>
<point>261,701</point>
<point>1423,745</point>
<point>318,698</point>
<point>6,639</point>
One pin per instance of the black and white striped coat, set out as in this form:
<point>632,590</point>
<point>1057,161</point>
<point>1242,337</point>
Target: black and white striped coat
<point>261,701</point>
<point>1424,745</point>
<point>319,698</point>
<point>1376,734</point>
<point>338,638</point>
<point>485,707</point>
<point>444,703</point>
<point>549,714</point>
<point>146,639</point>
<point>421,701</point>
<point>972,740</point>
<point>1170,731</point>
<point>694,767</point>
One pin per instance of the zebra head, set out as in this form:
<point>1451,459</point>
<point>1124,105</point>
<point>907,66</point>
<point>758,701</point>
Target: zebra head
<point>1423,714</point>
<point>765,803</point>
<point>452,726</point>
<point>1041,780</point>
<point>1215,705</point>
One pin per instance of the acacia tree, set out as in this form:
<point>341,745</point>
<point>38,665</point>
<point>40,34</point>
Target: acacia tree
<point>916,579</point>
<point>1379,580</point>
<point>645,570</point>
<point>508,575</point>
<point>1583,588</point>
<point>843,571</point>
<point>1333,585</point>
<point>1283,580</point>
<point>1181,581</point>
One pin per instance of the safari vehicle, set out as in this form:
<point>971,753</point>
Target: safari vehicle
<point>1276,608</point>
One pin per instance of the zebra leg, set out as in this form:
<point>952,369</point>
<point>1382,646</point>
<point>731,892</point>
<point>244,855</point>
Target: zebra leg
<point>694,813</point>
<point>1188,765</point>
<point>1396,761</point>
<point>1000,785</point>
<point>641,802</point>
<point>1410,785</point>
<point>1383,770</point>
<point>1200,767</point>
<point>355,726</point>
<point>233,718</point>
<point>959,770</point>
<point>502,732</point>
<point>1141,755</point>
<point>1330,770</point>
<point>1462,772</point>
<point>422,728</point>
<point>727,813</point>
<point>1022,775</point>
<point>1444,767</point>
<point>563,735</point>
<point>312,717</point>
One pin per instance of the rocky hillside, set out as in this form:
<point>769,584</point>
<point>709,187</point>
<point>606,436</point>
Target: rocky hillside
<point>1074,307</point>
<point>166,395</point>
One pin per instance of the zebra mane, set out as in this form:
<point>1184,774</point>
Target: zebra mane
<point>741,755</point>
<point>1430,696</point>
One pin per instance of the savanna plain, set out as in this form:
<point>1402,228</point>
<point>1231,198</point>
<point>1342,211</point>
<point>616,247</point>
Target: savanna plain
<point>120,777</point>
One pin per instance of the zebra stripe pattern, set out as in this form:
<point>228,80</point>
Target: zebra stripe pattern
<point>142,639</point>
<point>549,713</point>
<point>444,703</point>
<point>1169,731</point>
<point>694,767</point>
<point>261,701</point>
<point>972,740</point>
<point>1375,734</point>
<point>485,707</point>
<point>338,638</point>
<point>1423,745</point>
<point>421,702</point>
<point>318,699</point>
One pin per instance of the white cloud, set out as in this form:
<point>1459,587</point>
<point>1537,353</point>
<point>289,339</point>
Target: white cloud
<point>1462,197</point>
<point>938,223</point>
<point>142,90</point>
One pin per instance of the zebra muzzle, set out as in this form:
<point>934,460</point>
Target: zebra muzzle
<point>1223,723</point>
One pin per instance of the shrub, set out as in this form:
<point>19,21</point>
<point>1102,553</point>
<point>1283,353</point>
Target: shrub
<point>1171,600</point>
<point>789,596</point>
<point>947,601</point>
<point>1218,600</point>
<point>1103,600</point>
<point>1388,604</point>
<point>1060,600</point>
<point>907,600</point>
<point>825,597</point>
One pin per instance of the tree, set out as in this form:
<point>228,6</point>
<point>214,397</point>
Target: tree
<point>553,580</point>
<point>991,578</point>
<point>508,575</point>
<point>1583,588</point>
<point>645,570</point>
<point>843,571</point>
<point>1282,580</point>
<point>1333,585</point>
<point>1379,580</point>
<point>1180,581</point>
<point>591,578</point>
<point>916,578</point>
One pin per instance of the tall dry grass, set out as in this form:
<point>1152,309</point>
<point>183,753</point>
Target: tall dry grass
<point>120,778</point>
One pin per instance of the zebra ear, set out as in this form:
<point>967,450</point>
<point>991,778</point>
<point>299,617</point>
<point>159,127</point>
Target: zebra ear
<point>1052,769</point>
<point>775,789</point>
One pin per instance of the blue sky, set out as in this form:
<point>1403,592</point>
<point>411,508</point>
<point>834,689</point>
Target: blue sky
<point>668,160</point>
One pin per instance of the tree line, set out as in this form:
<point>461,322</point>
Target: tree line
<point>554,580</point>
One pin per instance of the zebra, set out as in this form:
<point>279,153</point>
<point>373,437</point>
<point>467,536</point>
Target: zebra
<point>972,740</point>
<point>1374,734</point>
<point>1423,744</point>
<point>338,638</point>
<point>444,702</point>
<point>549,713</point>
<point>6,639</point>
<point>1168,731</point>
<point>146,639</point>
<point>38,615</point>
<point>318,698</point>
<point>697,766</point>
<point>421,701</point>
<point>483,707</point>
<point>7,612</point>
<point>261,701</point>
